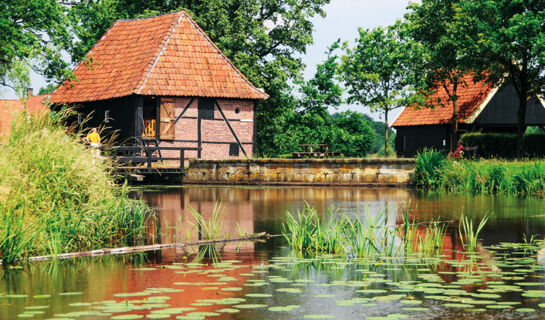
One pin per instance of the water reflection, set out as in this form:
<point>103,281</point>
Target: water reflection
<point>262,209</point>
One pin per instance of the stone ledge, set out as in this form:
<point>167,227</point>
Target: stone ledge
<point>355,172</point>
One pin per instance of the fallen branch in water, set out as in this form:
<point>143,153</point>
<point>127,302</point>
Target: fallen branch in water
<point>153,247</point>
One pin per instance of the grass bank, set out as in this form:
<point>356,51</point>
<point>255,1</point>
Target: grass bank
<point>55,197</point>
<point>435,171</point>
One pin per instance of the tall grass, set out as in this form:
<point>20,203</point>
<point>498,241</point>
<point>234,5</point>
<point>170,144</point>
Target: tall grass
<point>435,172</point>
<point>56,197</point>
<point>308,232</point>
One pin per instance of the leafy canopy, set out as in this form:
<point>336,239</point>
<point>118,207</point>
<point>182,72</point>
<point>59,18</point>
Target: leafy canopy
<point>33,29</point>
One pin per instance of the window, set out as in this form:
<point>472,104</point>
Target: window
<point>206,108</point>
<point>80,118</point>
<point>106,116</point>
<point>237,110</point>
<point>234,150</point>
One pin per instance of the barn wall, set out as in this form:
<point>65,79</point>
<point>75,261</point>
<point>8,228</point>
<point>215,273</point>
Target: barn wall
<point>215,134</point>
<point>410,140</point>
<point>501,111</point>
<point>122,117</point>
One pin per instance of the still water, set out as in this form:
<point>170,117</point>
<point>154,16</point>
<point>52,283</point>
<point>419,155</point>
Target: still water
<point>259,280</point>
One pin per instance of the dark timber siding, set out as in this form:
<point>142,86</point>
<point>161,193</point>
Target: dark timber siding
<point>410,140</point>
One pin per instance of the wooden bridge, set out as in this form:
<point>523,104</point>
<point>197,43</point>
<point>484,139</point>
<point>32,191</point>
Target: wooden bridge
<point>149,163</point>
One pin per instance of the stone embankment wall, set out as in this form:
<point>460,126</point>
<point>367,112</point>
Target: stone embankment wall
<point>355,172</point>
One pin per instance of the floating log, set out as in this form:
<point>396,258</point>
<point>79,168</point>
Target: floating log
<point>153,247</point>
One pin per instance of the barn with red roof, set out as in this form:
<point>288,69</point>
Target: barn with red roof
<point>482,108</point>
<point>162,79</point>
<point>10,107</point>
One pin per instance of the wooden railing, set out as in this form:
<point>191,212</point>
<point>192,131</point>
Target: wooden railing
<point>150,128</point>
<point>147,155</point>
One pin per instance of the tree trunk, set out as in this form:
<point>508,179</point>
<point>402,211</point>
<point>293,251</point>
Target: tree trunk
<point>454,127</point>
<point>521,123</point>
<point>386,133</point>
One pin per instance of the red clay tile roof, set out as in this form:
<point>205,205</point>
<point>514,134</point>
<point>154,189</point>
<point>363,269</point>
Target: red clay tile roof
<point>8,108</point>
<point>167,55</point>
<point>470,97</point>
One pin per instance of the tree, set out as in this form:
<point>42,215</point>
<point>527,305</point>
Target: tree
<point>49,88</point>
<point>377,71</point>
<point>263,38</point>
<point>33,28</point>
<point>506,41</point>
<point>433,24</point>
<point>351,135</point>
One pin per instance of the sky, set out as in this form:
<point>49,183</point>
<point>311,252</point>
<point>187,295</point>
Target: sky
<point>343,19</point>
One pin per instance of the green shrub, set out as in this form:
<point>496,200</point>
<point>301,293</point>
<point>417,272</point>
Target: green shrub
<point>503,145</point>
<point>55,197</point>
<point>429,168</point>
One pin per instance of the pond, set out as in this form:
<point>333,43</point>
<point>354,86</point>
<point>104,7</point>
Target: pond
<point>263,280</point>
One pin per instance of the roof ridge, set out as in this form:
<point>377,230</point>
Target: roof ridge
<point>158,55</point>
<point>225,58</point>
<point>150,17</point>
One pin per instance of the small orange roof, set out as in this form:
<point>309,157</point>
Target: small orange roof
<point>470,97</point>
<point>8,108</point>
<point>166,55</point>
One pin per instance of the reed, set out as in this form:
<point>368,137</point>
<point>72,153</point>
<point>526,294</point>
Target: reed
<point>308,233</point>
<point>56,197</point>
<point>212,228</point>
<point>469,236</point>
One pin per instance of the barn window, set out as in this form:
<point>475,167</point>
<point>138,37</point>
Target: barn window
<point>234,150</point>
<point>206,108</point>
<point>106,116</point>
<point>237,110</point>
<point>80,118</point>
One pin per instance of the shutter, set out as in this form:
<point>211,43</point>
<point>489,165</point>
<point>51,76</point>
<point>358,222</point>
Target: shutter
<point>168,118</point>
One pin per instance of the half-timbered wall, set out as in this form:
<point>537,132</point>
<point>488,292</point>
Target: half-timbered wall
<point>214,137</point>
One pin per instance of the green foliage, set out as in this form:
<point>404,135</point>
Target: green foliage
<point>309,232</point>
<point>434,172</point>
<point>504,145</point>
<point>351,134</point>
<point>429,169</point>
<point>33,28</point>
<point>378,70</point>
<point>47,89</point>
<point>378,127</point>
<point>55,197</point>
<point>506,40</point>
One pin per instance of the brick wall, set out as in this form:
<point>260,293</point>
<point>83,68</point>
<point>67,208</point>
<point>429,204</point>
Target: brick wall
<point>215,134</point>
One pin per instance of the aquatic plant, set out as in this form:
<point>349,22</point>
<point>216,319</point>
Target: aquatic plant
<point>375,235</point>
<point>468,235</point>
<point>57,197</point>
<point>212,228</point>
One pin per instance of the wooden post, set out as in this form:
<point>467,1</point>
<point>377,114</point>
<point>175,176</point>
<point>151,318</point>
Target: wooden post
<point>199,135</point>
<point>149,152</point>
<point>158,118</point>
<point>182,158</point>
<point>138,119</point>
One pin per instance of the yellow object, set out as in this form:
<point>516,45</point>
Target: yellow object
<point>93,137</point>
